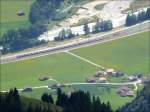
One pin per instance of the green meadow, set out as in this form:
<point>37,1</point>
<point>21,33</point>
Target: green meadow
<point>9,18</point>
<point>130,54</point>
<point>61,67</point>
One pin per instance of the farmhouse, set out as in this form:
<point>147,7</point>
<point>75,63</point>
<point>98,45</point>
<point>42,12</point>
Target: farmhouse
<point>102,79</point>
<point>110,71</point>
<point>100,73</point>
<point>125,91</point>
<point>91,79</point>
<point>119,73</point>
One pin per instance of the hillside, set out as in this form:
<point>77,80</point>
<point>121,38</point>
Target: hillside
<point>140,104</point>
<point>36,102</point>
<point>13,102</point>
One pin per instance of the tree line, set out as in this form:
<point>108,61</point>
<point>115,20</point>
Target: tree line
<point>140,104</point>
<point>47,10</point>
<point>75,102</point>
<point>102,26</point>
<point>41,13</point>
<point>12,102</point>
<point>22,38</point>
<point>98,27</point>
<point>140,17</point>
<point>64,34</point>
<point>78,102</point>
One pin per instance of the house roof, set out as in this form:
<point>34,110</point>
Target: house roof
<point>110,70</point>
<point>102,79</point>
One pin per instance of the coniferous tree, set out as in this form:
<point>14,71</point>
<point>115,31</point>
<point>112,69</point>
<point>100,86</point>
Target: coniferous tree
<point>148,13</point>
<point>141,16</point>
<point>86,29</point>
<point>141,103</point>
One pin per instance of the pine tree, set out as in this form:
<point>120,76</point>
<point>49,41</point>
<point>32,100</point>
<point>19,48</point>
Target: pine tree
<point>86,29</point>
<point>141,16</point>
<point>148,13</point>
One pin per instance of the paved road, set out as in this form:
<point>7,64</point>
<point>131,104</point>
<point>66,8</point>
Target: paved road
<point>82,43</point>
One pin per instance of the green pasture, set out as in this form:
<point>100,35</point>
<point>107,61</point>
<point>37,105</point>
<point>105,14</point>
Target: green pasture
<point>129,54</point>
<point>105,93</point>
<point>9,18</point>
<point>61,67</point>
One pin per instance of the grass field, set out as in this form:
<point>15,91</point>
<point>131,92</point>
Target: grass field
<point>61,67</point>
<point>9,18</point>
<point>130,54</point>
<point>105,93</point>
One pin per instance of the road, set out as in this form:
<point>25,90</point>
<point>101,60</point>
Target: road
<point>96,83</point>
<point>78,44</point>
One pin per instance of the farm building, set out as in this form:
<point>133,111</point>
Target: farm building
<point>27,89</point>
<point>91,79</point>
<point>146,80</point>
<point>55,86</point>
<point>119,74</point>
<point>102,79</point>
<point>125,91</point>
<point>43,78</point>
<point>110,71</point>
<point>138,75</point>
<point>100,73</point>
<point>133,78</point>
<point>20,13</point>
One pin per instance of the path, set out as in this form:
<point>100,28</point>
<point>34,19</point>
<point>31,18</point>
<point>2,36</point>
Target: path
<point>81,58</point>
<point>71,84</point>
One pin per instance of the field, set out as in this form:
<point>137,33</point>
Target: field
<point>130,54</point>
<point>9,18</point>
<point>61,67</point>
<point>105,93</point>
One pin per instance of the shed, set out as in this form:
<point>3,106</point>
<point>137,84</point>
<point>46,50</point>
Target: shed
<point>102,79</point>
<point>20,13</point>
<point>91,79</point>
<point>130,93</point>
<point>100,73</point>
<point>43,78</point>
<point>55,86</point>
<point>119,73</point>
<point>133,78</point>
<point>27,89</point>
<point>138,75</point>
<point>125,91</point>
<point>110,71</point>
